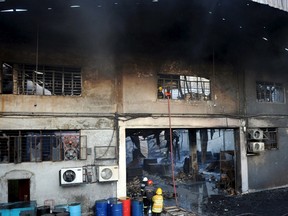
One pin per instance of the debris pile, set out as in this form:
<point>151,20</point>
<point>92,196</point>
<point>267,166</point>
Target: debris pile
<point>134,188</point>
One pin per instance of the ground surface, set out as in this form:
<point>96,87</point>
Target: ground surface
<point>264,203</point>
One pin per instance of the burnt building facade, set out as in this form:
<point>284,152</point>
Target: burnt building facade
<point>77,79</point>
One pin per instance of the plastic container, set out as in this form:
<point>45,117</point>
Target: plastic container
<point>43,210</point>
<point>111,201</point>
<point>101,207</point>
<point>126,205</point>
<point>137,208</point>
<point>75,209</point>
<point>117,209</point>
<point>61,207</point>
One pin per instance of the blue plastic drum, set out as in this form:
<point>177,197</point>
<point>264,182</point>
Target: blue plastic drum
<point>137,208</point>
<point>117,209</point>
<point>101,207</point>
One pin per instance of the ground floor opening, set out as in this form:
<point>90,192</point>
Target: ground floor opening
<point>193,163</point>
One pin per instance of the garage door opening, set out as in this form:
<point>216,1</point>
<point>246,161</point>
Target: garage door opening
<point>18,190</point>
<point>204,162</point>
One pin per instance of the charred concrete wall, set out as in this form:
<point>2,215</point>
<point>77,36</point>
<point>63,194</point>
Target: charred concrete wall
<point>264,168</point>
<point>126,86</point>
<point>140,88</point>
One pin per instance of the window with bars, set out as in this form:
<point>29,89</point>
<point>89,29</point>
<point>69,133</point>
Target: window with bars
<point>37,146</point>
<point>24,79</point>
<point>266,135</point>
<point>270,92</point>
<point>270,138</point>
<point>184,87</point>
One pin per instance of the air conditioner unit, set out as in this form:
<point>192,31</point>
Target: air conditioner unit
<point>256,146</point>
<point>255,134</point>
<point>70,176</point>
<point>107,173</point>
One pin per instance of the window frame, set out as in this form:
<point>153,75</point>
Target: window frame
<point>24,79</point>
<point>265,92</point>
<point>269,137</point>
<point>41,146</point>
<point>184,87</point>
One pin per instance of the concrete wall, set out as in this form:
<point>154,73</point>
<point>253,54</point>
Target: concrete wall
<point>128,86</point>
<point>267,170</point>
<point>140,88</point>
<point>44,176</point>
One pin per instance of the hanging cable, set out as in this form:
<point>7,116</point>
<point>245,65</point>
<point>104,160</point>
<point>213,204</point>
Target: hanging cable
<point>168,95</point>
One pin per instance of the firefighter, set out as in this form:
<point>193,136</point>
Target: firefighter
<point>149,192</point>
<point>160,93</point>
<point>158,201</point>
<point>143,185</point>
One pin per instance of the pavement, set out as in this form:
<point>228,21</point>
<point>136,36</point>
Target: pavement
<point>264,203</point>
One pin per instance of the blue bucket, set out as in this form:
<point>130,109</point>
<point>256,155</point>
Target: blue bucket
<point>101,207</point>
<point>117,209</point>
<point>4,212</point>
<point>137,208</point>
<point>75,209</point>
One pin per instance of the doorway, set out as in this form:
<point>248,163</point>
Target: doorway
<point>18,190</point>
<point>204,161</point>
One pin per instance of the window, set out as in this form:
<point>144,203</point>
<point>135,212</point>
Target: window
<point>267,136</point>
<point>269,92</point>
<point>184,87</point>
<point>24,79</point>
<point>37,146</point>
<point>270,138</point>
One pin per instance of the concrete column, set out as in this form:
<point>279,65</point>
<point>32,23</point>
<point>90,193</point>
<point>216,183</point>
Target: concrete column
<point>121,184</point>
<point>244,162</point>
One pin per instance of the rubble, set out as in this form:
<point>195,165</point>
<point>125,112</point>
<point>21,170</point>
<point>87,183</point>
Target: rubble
<point>134,188</point>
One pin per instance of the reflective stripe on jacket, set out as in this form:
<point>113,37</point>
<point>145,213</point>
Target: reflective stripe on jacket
<point>157,203</point>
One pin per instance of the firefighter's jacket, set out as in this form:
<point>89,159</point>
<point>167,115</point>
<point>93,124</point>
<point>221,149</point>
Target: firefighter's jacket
<point>157,203</point>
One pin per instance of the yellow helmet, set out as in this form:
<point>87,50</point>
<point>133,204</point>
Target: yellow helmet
<point>160,88</point>
<point>159,191</point>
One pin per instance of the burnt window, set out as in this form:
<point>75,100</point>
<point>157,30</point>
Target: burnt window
<point>24,79</point>
<point>37,146</point>
<point>184,87</point>
<point>270,92</point>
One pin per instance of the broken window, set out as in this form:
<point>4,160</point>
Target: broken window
<point>270,92</point>
<point>37,146</point>
<point>24,79</point>
<point>184,87</point>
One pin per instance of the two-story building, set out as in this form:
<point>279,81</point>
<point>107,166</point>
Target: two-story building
<point>77,78</point>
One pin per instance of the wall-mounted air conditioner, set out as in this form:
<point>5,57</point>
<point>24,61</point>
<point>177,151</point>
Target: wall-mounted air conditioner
<point>107,173</point>
<point>70,176</point>
<point>256,146</point>
<point>256,134</point>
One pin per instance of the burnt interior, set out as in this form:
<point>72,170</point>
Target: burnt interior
<point>190,159</point>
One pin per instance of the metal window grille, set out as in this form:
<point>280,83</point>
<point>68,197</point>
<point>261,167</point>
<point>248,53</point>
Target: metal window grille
<point>37,146</point>
<point>185,87</point>
<point>270,138</point>
<point>269,92</point>
<point>47,80</point>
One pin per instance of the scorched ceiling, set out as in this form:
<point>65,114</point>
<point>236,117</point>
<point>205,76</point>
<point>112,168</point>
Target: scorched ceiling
<point>193,29</point>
